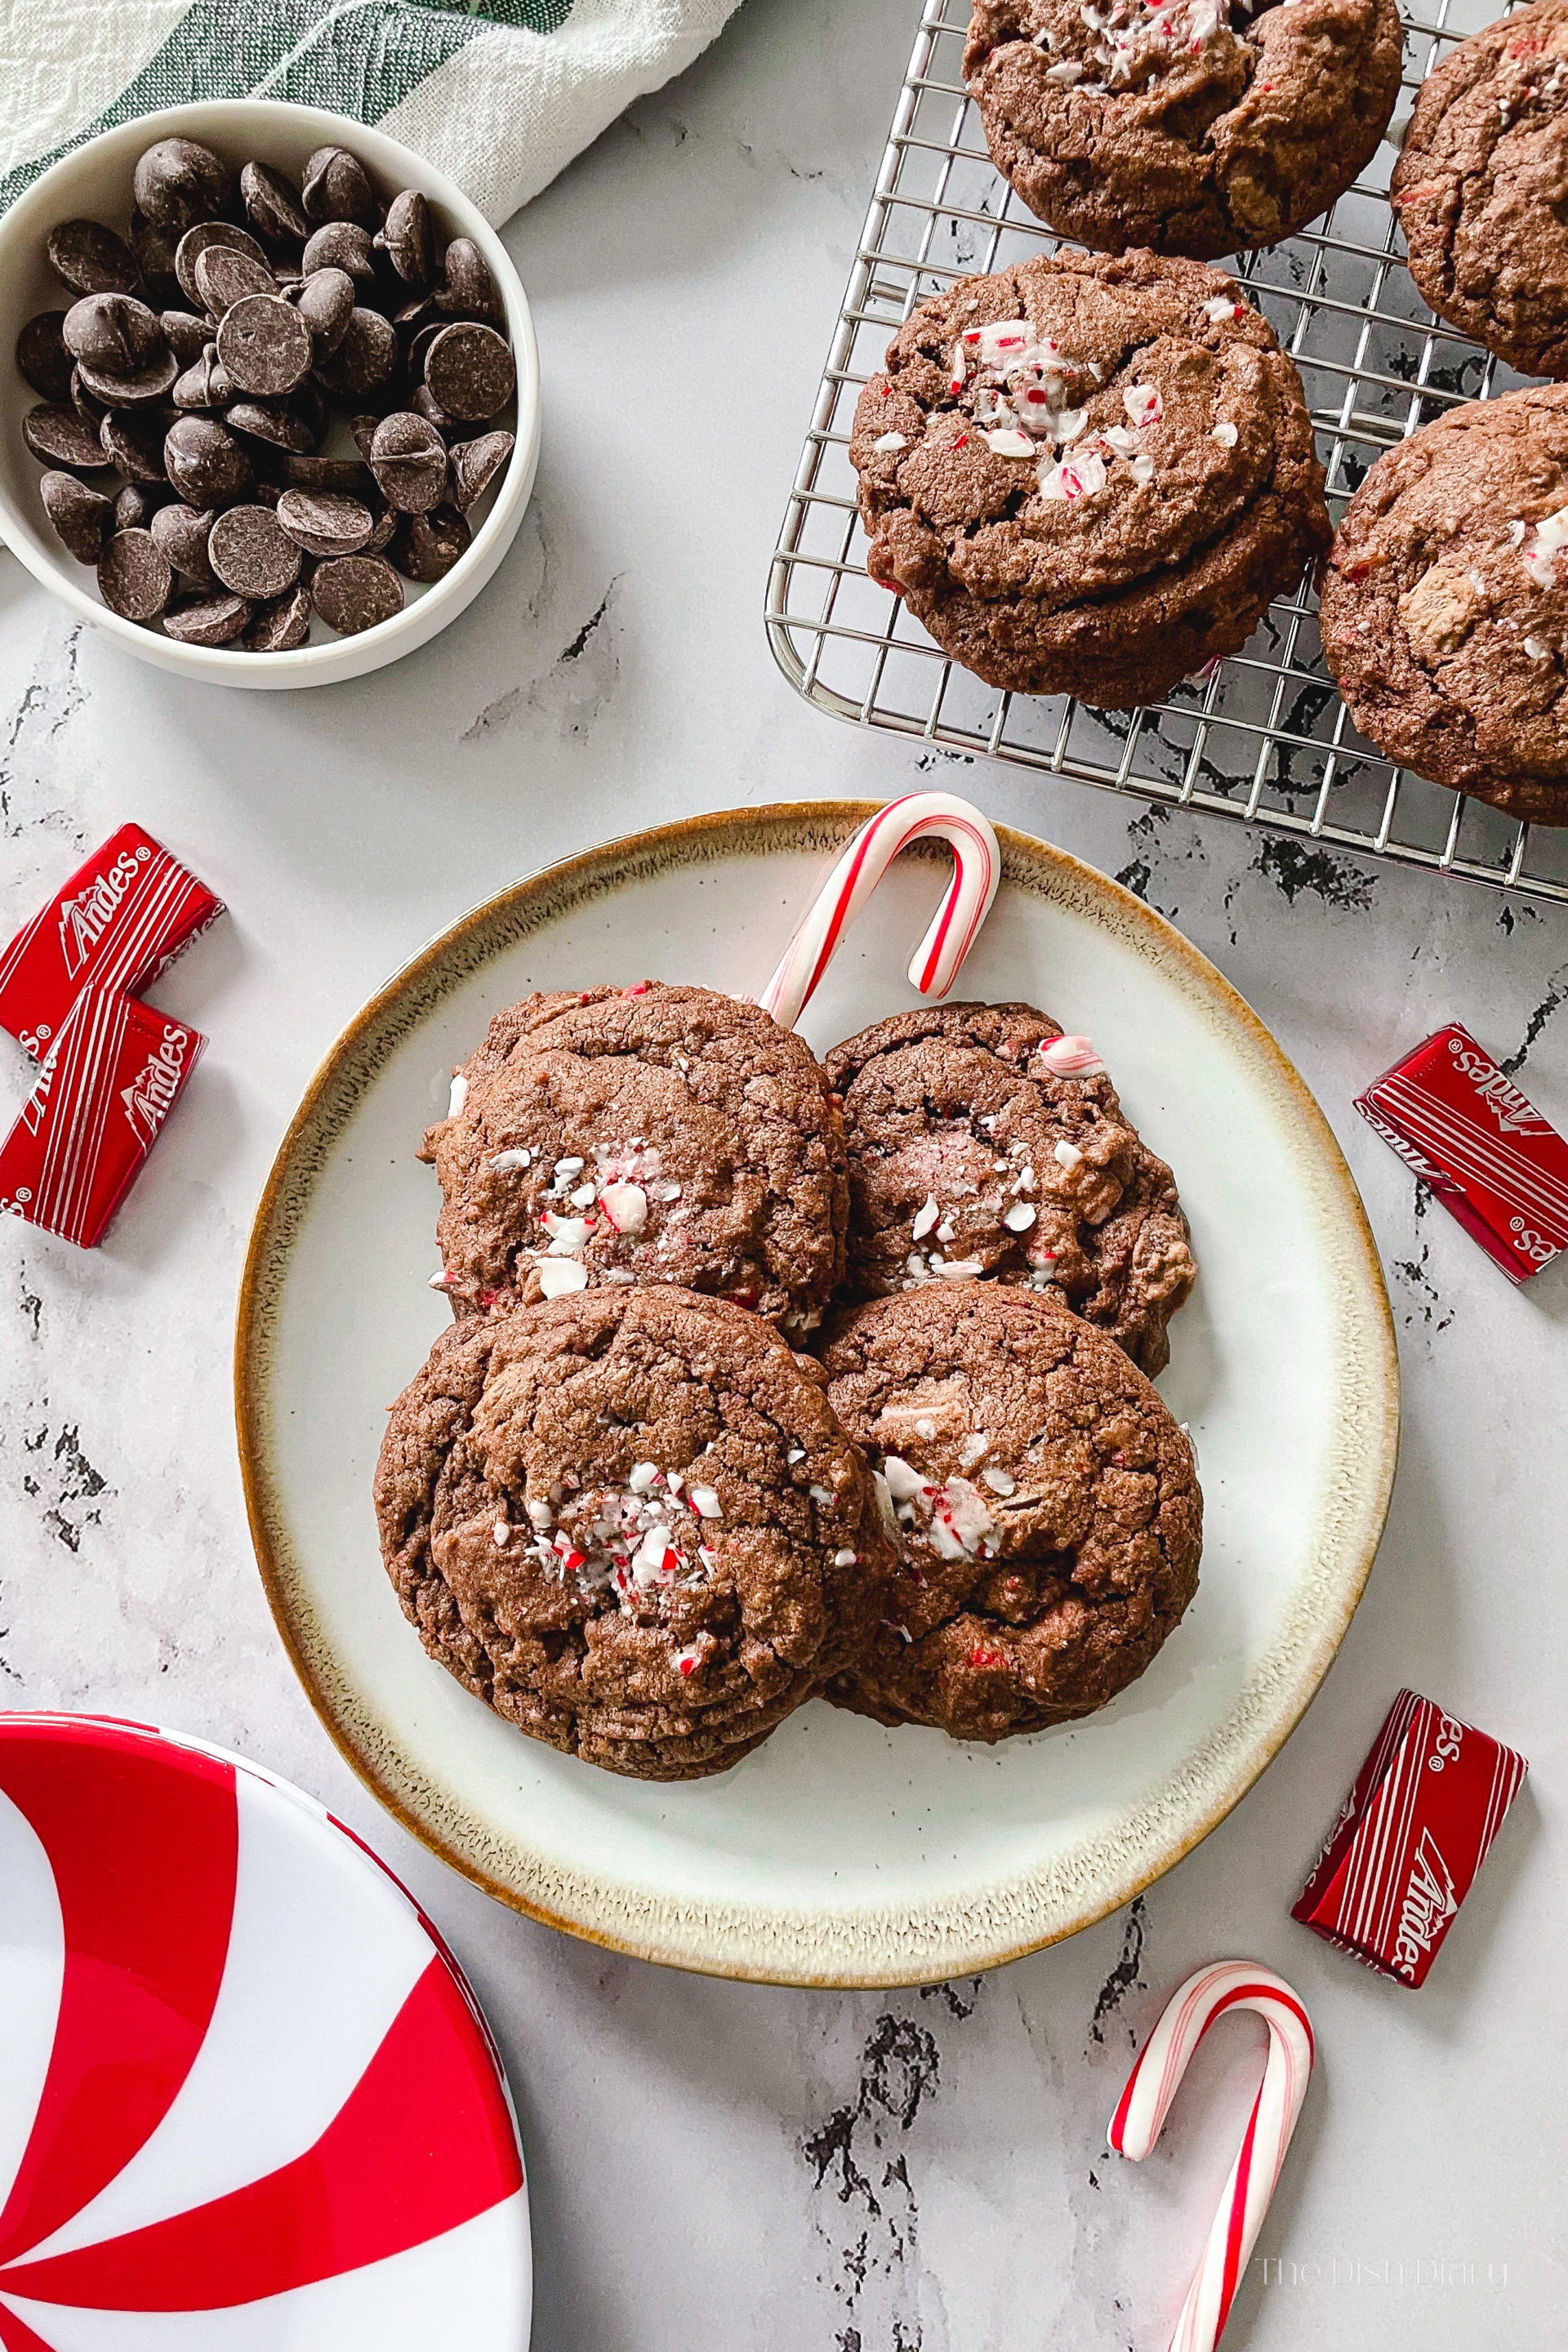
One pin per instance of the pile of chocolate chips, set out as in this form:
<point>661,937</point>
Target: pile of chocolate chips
<point>204,362</point>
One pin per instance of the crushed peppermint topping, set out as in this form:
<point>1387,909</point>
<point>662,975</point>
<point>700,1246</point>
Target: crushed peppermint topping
<point>889,441</point>
<point>503,1162</point>
<point>557,1276</point>
<point>1516,531</point>
<point>1001,1482</point>
<point>925,1218</point>
<point>626,1206</point>
<point>1536,650</point>
<point>1222,307</point>
<point>1020,1216</point>
<point>687,1661</point>
<point>1079,478</point>
<point>819,1496</point>
<point>845,1558</point>
<point>1071,1057</point>
<point>955,1269</point>
<point>1068,1156</point>
<point>1224,434</point>
<point>1143,404</point>
<point>459,1097</point>
<point>442,1281</point>
<point>567,1234</point>
<point>706,1504</point>
<point>1008,442</point>
<point>643,1478</point>
<point>501,1533</point>
<point>1142,467</point>
<point>796,1453</point>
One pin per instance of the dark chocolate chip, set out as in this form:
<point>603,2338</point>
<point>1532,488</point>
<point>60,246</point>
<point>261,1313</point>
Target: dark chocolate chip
<point>427,545</point>
<point>135,578</point>
<point>425,405</point>
<point>91,259</point>
<point>345,475</point>
<point>59,437</point>
<point>201,239</point>
<point>364,358</point>
<point>208,620</point>
<point>384,531</point>
<point>206,384</point>
<point>267,494</point>
<point>420,312</point>
<point>356,592</point>
<point>178,183</point>
<point>82,517</point>
<point>408,458</point>
<point>419,351</point>
<point>154,249</point>
<point>42,357</point>
<point>137,504</point>
<point>146,387</point>
<point>324,522</point>
<point>336,187</point>
<point>273,203</point>
<point>282,426</point>
<point>187,335</point>
<point>364,430</point>
<point>407,238</point>
<point>266,345</point>
<point>183,533</point>
<point>469,292</point>
<point>204,462</point>
<point>278,628</point>
<point>341,245</point>
<point>225,277</point>
<point>470,370</point>
<point>476,464</point>
<point>113,333</point>
<point>251,554</point>
<point>325,301</point>
<point>134,442</point>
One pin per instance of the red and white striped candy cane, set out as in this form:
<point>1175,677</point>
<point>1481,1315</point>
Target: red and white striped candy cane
<point>977,870</point>
<point>1152,2085</point>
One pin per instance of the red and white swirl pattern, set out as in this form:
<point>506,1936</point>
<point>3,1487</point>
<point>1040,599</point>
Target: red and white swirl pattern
<point>246,2099</point>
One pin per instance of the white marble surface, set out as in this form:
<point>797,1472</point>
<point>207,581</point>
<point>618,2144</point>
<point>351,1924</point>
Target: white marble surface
<point>725,2165</point>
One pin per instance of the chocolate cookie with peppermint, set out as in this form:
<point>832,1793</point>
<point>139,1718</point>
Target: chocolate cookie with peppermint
<point>631,1523</point>
<point>1481,188</point>
<point>1444,608</point>
<point>647,1134</point>
<point>1191,126</point>
<point>1088,474</point>
<point>1045,1506</point>
<point>984,1145</point>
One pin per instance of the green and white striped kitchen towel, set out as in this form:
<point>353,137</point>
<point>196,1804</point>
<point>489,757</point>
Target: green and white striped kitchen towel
<point>499,94</point>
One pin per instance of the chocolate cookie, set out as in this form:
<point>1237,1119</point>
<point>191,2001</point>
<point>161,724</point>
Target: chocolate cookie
<point>1444,602</point>
<point>1481,188</point>
<point>1087,475</point>
<point>629,1522</point>
<point>647,1134</point>
<point>1047,1510</point>
<point>984,1143</point>
<point>1190,126</point>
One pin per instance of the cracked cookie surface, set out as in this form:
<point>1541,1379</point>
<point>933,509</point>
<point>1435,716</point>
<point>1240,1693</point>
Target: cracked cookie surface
<point>1088,474</point>
<point>1444,610</point>
<point>630,1522</point>
<point>653,1134</point>
<point>1047,1507</point>
<point>970,1157</point>
<point>1188,126</point>
<point>1481,188</point>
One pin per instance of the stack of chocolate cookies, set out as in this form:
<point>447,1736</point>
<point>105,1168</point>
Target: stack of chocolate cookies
<point>1091,473</point>
<point>624,1507</point>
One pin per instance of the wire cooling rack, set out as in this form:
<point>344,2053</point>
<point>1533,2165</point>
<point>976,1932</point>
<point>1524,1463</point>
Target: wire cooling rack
<point>1264,738</point>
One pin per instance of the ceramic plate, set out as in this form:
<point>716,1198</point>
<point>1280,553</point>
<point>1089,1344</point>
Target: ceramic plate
<point>246,2101</point>
<point>840,1853</point>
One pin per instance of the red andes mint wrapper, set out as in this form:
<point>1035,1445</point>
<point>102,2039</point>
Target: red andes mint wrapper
<point>1467,1131</point>
<point>113,1074</point>
<point>121,920</point>
<point>1409,1839</point>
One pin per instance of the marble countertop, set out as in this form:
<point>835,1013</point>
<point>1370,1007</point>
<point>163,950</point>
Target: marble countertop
<point>725,2164</point>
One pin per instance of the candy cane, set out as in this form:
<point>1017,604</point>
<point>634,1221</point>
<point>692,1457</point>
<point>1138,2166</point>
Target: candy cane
<point>977,870</point>
<point>1145,2103</point>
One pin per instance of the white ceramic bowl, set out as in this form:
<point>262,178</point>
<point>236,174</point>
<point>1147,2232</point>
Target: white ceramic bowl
<point>94,182</point>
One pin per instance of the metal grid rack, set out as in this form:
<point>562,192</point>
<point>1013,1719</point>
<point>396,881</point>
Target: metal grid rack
<point>1265,737</point>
